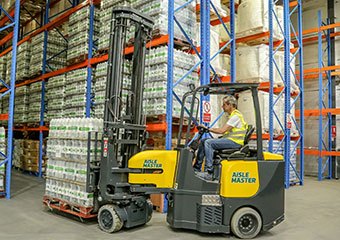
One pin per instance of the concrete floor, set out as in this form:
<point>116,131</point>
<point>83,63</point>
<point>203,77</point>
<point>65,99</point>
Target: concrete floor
<point>312,212</point>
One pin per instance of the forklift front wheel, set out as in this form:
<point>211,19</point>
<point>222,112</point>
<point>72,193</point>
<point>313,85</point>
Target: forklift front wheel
<point>246,223</point>
<point>108,219</point>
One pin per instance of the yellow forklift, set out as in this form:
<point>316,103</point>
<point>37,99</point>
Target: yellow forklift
<point>246,195</point>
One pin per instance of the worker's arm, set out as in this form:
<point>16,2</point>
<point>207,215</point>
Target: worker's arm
<point>222,130</point>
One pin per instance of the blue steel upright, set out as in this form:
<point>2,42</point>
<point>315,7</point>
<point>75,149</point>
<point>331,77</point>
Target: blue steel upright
<point>205,51</point>
<point>170,75</point>
<point>287,116</point>
<point>325,101</point>
<point>43,87</point>
<point>11,90</point>
<point>89,99</point>
<point>301,95</point>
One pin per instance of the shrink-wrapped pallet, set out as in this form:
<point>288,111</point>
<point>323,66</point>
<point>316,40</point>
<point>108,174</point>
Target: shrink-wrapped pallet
<point>252,64</point>
<point>253,18</point>
<point>246,107</point>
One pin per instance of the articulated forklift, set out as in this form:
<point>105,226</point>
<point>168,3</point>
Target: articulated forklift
<point>247,192</point>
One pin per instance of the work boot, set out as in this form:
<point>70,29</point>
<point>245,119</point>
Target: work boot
<point>205,175</point>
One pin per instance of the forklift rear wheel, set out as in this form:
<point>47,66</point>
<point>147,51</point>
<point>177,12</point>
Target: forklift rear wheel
<point>246,223</point>
<point>108,219</point>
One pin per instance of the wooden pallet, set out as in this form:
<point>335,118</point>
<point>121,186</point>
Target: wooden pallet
<point>76,60</point>
<point>69,208</point>
<point>162,118</point>
<point>158,202</point>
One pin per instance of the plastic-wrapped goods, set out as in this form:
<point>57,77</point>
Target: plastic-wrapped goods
<point>100,87</point>
<point>224,36</point>
<point>34,102</point>
<point>156,80</point>
<point>253,18</point>
<point>55,94</point>
<point>23,62</point>
<point>67,149</point>
<point>246,106</point>
<point>214,48</point>
<point>3,68</point>
<point>105,20</point>
<point>255,56</point>
<point>258,58</point>
<point>55,55</point>
<point>158,10</point>
<point>79,37</point>
<point>75,92</point>
<point>2,150</point>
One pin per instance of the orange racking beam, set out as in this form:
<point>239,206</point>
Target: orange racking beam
<point>56,22</point>
<point>315,38</point>
<point>4,117</point>
<point>7,38</point>
<point>316,70</point>
<point>164,39</point>
<point>316,30</point>
<point>318,153</point>
<point>217,21</point>
<point>293,4</point>
<point>318,112</point>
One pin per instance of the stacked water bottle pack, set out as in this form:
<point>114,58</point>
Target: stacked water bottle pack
<point>67,158</point>
<point>106,7</point>
<point>3,68</point>
<point>156,80</point>
<point>55,94</point>
<point>79,26</point>
<point>158,10</point>
<point>23,61</point>
<point>2,150</point>
<point>100,87</point>
<point>54,52</point>
<point>20,103</point>
<point>34,102</point>
<point>75,93</point>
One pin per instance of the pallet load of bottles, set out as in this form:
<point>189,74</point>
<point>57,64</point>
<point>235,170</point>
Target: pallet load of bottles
<point>34,102</point>
<point>26,155</point>
<point>75,93</point>
<point>79,34</point>
<point>100,87</point>
<point>2,150</point>
<point>67,152</point>
<point>23,62</point>
<point>55,95</point>
<point>55,53</point>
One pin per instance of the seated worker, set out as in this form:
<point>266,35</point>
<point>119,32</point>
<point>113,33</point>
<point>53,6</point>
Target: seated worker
<point>233,131</point>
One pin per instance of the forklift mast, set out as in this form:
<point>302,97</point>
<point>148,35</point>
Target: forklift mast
<point>114,118</point>
<point>124,130</point>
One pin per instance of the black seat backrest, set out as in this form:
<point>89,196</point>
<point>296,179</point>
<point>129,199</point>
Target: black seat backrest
<point>250,131</point>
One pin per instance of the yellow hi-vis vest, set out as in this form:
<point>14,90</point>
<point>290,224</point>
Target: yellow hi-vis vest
<point>237,135</point>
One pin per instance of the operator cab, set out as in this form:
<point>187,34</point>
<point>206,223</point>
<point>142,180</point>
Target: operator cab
<point>191,99</point>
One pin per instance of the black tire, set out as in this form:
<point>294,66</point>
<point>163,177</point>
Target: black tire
<point>246,223</point>
<point>149,208</point>
<point>108,219</point>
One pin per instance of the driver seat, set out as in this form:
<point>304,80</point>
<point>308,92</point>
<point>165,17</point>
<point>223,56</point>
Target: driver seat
<point>241,152</point>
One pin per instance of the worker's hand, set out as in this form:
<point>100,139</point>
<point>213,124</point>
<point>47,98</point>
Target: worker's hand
<point>203,129</point>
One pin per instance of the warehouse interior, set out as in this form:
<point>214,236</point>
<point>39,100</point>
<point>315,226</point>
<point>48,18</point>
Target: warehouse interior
<point>104,106</point>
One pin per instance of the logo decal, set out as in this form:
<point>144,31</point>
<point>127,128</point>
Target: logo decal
<point>242,177</point>
<point>149,163</point>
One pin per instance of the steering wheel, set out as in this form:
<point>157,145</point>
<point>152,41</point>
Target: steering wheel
<point>202,129</point>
